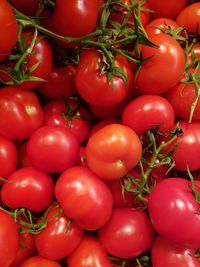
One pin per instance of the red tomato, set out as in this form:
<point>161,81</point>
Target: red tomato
<point>20,113</point>
<point>60,237</point>
<point>8,157</point>
<point>161,25</point>
<point>84,197</point>
<point>8,239</point>
<point>189,18</point>
<point>52,149</point>
<point>174,212</point>
<point>94,85</point>
<point>8,29</point>
<point>168,59</point>
<point>90,252</point>
<point>147,112</point>
<point>127,234</point>
<point>165,254</point>
<point>23,159</point>
<point>37,261</point>
<point>27,7</point>
<point>113,151</point>
<point>29,188</point>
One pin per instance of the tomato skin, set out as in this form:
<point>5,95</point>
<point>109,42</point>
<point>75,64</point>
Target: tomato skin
<point>8,29</point>
<point>23,159</point>
<point>58,239</point>
<point>37,261</point>
<point>52,138</point>
<point>168,59</point>
<point>165,23</point>
<point>165,254</point>
<point>29,188</point>
<point>171,202</point>
<point>189,18</point>
<point>127,234</point>
<point>90,252</point>
<point>22,110</point>
<point>27,7</point>
<point>94,86</point>
<point>9,239</point>
<point>113,151</point>
<point>84,197</point>
<point>147,112</point>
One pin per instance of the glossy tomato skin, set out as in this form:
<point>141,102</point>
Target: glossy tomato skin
<point>90,252</point>
<point>37,261</point>
<point>8,157</point>
<point>167,60</point>
<point>9,239</point>
<point>30,188</point>
<point>52,149</point>
<point>174,212</point>
<point>127,234</point>
<point>160,25</point>
<point>147,112</point>
<point>113,151</point>
<point>60,237</point>
<point>94,86</point>
<point>165,254</point>
<point>84,197</point>
<point>22,110</point>
<point>8,29</point>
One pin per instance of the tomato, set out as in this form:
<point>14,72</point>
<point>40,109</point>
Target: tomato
<point>60,237</point>
<point>147,112</point>
<point>8,239</point>
<point>165,254</point>
<point>93,83</point>
<point>27,7</point>
<point>29,188</point>
<point>84,197</point>
<point>22,110</point>
<point>8,29</point>
<point>113,151</point>
<point>168,59</point>
<point>37,261</point>
<point>8,157</point>
<point>127,234</point>
<point>23,159</point>
<point>90,252</point>
<point>161,25</point>
<point>60,82</point>
<point>172,202</point>
<point>52,148</point>
<point>189,17</point>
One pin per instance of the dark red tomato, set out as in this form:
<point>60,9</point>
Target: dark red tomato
<point>165,254</point>
<point>93,84</point>
<point>20,113</point>
<point>69,113</point>
<point>127,234</point>
<point>161,25</point>
<point>28,7</point>
<point>8,157</point>
<point>8,239</point>
<point>28,188</point>
<point>89,253</point>
<point>164,70</point>
<point>52,148</point>
<point>84,197</point>
<point>174,211</point>
<point>147,112</point>
<point>60,237</point>
<point>166,9</point>
<point>23,159</point>
<point>60,83</point>
<point>8,29</point>
<point>77,18</point>
<point>113,151</point>
<point>37,261</point>
<point>189,18</point>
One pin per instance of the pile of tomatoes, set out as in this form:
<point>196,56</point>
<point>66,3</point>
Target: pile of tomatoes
<point>99,133</point>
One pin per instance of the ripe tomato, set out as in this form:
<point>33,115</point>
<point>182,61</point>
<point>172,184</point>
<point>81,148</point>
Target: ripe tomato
<point>93,83</point>
<point>22,110</point>
<point>90,252</point>
<point>84,197</point>
<point>127,234</point>
<point>52,148</point>
<point>27,7</point>
<point>29,188</point>
<point>8,29</point>
<point>37,261</point>
<point>23,159</point>
<point>161,25</point>
<point>113,151</point>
